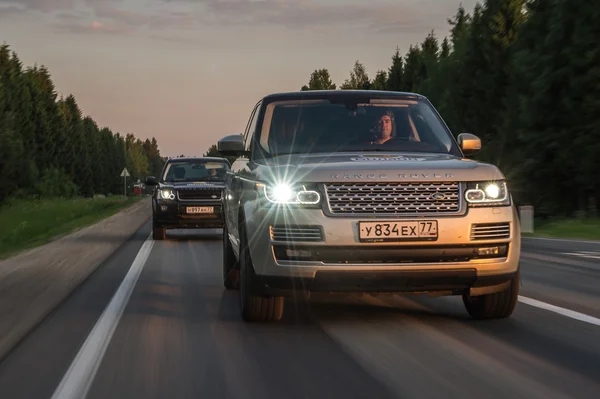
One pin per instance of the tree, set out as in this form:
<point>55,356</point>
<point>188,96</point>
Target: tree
<point>319,80</point>
<point>445,52</point>
<point>359,80</point>
<point>213,152</point>
<point>411,77</point>
<point>394,81</point>
<point>49,148</point>
<point>380,81</point>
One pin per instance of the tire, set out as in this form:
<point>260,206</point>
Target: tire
<point>231,266</point>
<point>255,307</point>
<point>158,232</point>
<point>498,305</point>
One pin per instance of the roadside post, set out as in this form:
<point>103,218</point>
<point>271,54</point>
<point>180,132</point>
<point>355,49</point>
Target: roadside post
<point>526,213</point>
<point>124,175</point>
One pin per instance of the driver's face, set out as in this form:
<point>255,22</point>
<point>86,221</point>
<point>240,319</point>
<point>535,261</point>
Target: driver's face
<point>385,126</point>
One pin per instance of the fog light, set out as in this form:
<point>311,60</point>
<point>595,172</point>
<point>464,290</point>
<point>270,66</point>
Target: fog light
<point>163,208</point>
<point>488,251</point>
<point>308,197</point>
<point>298,254</point>
<point>475,195</point>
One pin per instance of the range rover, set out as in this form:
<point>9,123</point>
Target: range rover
<point>364,191</point>
<point>188,194</point>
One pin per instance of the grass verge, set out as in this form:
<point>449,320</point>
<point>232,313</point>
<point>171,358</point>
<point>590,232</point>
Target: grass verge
<point>585,229</point>
<point>29,223</point>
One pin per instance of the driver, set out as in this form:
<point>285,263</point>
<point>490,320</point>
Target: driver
<point>386,128</point>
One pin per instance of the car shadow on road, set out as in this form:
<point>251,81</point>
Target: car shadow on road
<point>327,308</point>
<point>194,234</point>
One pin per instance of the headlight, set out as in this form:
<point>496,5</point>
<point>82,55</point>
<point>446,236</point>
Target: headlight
<point>287,194</point>
<point>165,194</point>
<point>492,193</point>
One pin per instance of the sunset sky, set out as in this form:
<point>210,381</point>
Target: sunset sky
<point>189,71</point>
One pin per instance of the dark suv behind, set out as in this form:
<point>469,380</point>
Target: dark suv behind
<point>188,194</point>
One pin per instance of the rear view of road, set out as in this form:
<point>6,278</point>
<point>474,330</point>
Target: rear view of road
<point>180,336</point>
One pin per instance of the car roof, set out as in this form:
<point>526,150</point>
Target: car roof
<point>213,159</point>
<point>320,94</point>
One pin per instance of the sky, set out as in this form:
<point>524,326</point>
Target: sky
<point>189,72</point>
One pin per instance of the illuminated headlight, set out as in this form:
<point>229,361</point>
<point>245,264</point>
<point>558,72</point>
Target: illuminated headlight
<point>492,193</point>
<point>286,194</point>
<point>166,194</point>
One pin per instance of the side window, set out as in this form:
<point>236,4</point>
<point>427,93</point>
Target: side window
<point>251,126</point>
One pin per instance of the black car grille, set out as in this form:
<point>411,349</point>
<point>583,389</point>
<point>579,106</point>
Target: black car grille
<point>199,194</point>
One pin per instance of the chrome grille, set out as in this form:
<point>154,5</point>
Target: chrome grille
<point>490,231</point>
<point>197,194</point>
<point>393,198</point>
<point>296,233</point>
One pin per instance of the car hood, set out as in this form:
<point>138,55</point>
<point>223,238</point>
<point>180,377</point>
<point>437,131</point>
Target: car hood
<point>193,185</point>
<point>373,166</point>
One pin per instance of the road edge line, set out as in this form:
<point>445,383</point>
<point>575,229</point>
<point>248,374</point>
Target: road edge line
<point>562,311</point>
<point>572,240</point>
<point>81,373</point>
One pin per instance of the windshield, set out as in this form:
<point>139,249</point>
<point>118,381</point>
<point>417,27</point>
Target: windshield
<point>195,170</point>
<point>311,126</point>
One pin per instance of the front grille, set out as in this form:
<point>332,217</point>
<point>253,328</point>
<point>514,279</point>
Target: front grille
<point>490,231</point>
<point>196,194</point>
<point>297,233</point>
<point>393,198</point>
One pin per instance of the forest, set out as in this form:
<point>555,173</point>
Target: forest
<point>50,149</point>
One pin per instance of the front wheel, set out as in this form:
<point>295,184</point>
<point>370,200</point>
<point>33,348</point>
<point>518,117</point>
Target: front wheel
<point>158,232</point>
<point>494,306</point>
<point>255,307</point>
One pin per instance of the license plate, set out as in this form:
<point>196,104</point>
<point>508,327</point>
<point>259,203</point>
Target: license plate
<point>409,230</point>
<point>200,209</point>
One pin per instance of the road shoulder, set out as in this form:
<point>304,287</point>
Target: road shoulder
<point>35,282</point>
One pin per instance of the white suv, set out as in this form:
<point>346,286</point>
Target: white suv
<point>364,191</point>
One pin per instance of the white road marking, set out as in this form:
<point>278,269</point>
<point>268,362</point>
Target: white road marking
<point>562,311</point>
<point>583,254</point>
<point>562,240</point>
<point>80,375</point>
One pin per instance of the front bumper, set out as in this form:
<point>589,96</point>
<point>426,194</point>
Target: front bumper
<point>336,260</point>
<point>174,214</point>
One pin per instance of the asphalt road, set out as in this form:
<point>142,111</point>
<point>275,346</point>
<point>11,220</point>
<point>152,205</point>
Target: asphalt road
<point>180,336</point>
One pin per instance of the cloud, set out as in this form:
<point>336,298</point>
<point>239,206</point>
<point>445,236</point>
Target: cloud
<point>73,16</point>
<point>164,17</point>
<point>302,14</point>
<point>42,5</point>
<point>122,17</point>
<point>93,27</point>
<point>110,17</point>
<point>10,10</point>
<point>153,19</point>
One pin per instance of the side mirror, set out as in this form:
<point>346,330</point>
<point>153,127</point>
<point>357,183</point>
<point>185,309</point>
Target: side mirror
<point>469,143</point>
<point>232,145</point>
<point>151,181</point>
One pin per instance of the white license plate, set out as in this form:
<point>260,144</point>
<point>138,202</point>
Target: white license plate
<point>409,230</point>
<point>200,209</point>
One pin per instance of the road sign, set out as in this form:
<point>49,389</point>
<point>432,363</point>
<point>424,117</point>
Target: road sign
<point>124,175</point>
